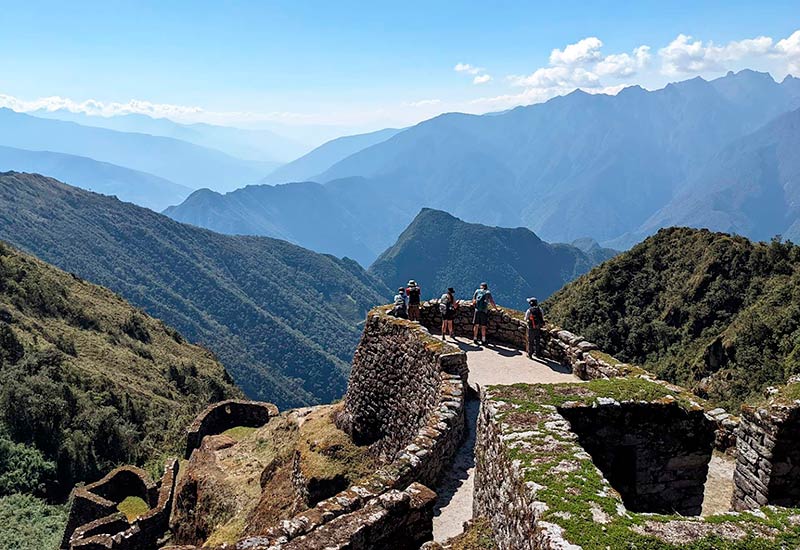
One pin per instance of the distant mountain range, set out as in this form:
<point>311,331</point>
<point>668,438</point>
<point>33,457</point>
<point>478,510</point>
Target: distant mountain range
<point>101,177</point>
<point>178,161</point>
<point>751,187</point>
<point>258,145</point>
<point>312,164</point>
<point>282,319</point>
<point>576,166</point>
<point>713,312</point>
<point>439,250</point>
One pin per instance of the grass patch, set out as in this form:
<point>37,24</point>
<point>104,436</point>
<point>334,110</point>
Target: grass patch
<point>238,433</point>
<point>478,536</point>
<point>133,508</point>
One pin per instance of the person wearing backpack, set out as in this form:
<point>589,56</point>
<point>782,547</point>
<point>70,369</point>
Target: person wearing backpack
<point>481,300</point>
<point>534,321</point>
<point>447,307</point>
<point>399,308</point>
<point>413,292</point>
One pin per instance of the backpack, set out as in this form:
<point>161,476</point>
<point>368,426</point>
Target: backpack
<point>481,300</point>
<point>535,316</point>
<point>445,304</point>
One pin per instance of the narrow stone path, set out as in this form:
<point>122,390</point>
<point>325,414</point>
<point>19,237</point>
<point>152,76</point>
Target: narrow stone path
<point>488,365</point>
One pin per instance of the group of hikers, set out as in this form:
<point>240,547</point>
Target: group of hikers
<point>407,306</point>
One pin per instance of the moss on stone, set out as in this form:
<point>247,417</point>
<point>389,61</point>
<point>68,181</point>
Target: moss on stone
<point>238,433</point>
<point>577,496</point>
<point>133,507</point>
<point>477,536</point>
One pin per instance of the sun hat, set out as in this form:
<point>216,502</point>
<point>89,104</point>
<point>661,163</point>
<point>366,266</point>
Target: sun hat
<point>412,282</point>
<point>484,285</point>
<point>451,290</point>
<point>533,301</point>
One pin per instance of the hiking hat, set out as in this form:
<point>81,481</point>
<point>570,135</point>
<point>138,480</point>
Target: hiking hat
<point>451,290</point>
<point>401,289</point>
<point>484,285</point>
<point>533,301</point>
<point>412,282</point>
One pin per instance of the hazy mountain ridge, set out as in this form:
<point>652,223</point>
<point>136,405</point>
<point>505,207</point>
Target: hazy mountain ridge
<point>179,161</point>
<point>259,145</point>
<point>712,312</point>
<point>619,158</point>
<point>326,155</point>
<point>576,166</point>
<point>281,318</point>
<point>439,250</point>
<point>751,187</point>
<point>101,177</point>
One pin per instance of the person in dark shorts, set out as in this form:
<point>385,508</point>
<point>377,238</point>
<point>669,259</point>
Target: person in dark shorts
<point>534,321</point>
<point>481,300</point>
<point>413,292</point>
<point>447,306</point>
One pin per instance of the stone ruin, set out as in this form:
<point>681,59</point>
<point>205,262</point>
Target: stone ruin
<point>95,524</point>
<point>564,466</point>
<point>224,415</point>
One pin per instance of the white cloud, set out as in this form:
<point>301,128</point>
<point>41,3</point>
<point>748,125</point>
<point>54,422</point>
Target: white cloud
<point>789,48</point>
<point>478,72</point>
<point>580,65</point>
<point>582,52</point>
<point>99,108</point>
<point>467,68</point>
<point>684,55</point>
<point>423,103</point>
<point>622,64</point>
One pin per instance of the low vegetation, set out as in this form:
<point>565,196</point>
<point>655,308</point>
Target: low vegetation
<point>716,313</point>
<point>28,523</point>
<point>88,382</point>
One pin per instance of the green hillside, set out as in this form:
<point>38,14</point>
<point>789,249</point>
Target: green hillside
<point>87,381</point>
<point>282,319</point>
<point>718,313</point>
<point>439,250</point>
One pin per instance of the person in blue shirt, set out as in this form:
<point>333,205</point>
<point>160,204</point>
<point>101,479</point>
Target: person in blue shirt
<point>481,300</point>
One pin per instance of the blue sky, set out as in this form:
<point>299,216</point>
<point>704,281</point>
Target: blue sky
<point>365,65</point>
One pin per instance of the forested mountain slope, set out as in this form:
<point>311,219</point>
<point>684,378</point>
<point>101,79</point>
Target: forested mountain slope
<point>718,313</point>
<point>439,250</point>
<point>87,381</point>
<point>283,320</point>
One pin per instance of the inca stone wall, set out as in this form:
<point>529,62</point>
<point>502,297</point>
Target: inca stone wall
<point>768,452</point>
<point>224,415</point>
<point>101,527</point>
<point>655,455</point>
<point>539,488</point>
<point>395,383</point>
<point>406,398</point>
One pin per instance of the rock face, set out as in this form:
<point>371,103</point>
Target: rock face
<point>768,453</point>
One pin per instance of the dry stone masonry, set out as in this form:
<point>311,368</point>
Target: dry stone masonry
<point>768,451</point>
<point>564,466</point>
<point>95,524</point>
